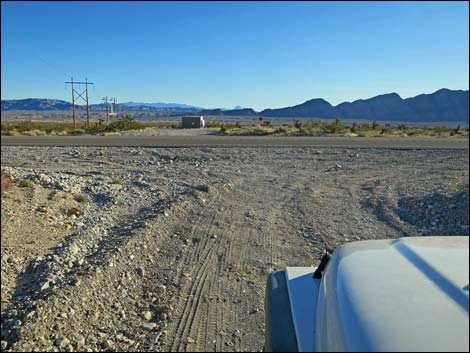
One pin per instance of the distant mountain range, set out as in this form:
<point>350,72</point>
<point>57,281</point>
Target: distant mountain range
<point>232,112</point>
<point>442,105</point>
<point>161,105</point>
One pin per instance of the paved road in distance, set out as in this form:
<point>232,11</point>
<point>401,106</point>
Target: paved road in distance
<point>237,141</point>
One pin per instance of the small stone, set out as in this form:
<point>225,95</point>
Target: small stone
<point>4,345</point>
<point>74,249</point>
<point>147,315</point>
<point>116,187</point>
<point>80,340</point>
<point>45,286</point>
<point>63,342</point>
<point>149,326</point>
<point>190,340</point>
<point>107,344</point>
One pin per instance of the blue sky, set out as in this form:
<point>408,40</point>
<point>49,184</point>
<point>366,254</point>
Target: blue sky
<point>223,54</point>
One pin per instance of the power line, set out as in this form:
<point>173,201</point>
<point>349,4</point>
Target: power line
<point>76,94</point>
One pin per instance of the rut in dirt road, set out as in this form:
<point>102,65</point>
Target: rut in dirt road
<point>263,224</point>
<point>238,241</point>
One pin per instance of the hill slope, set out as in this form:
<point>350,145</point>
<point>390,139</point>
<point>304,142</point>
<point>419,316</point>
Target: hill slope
<point>442,105</point>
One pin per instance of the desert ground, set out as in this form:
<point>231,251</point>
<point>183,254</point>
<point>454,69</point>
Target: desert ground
<point>157,249</point>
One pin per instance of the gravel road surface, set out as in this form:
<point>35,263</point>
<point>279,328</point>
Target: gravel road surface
<point>236,141</point>
<point>174,246</point>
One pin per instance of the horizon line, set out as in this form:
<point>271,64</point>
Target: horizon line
<point>205,108</point>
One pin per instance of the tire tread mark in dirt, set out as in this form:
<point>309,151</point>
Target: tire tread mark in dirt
<point>200,230</point>
<point>192,303</point>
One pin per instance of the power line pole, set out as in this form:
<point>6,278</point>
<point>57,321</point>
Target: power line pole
<point>87,108</point>
<point>76,94</point>
<point>73,107</point>
<point>107,116</point>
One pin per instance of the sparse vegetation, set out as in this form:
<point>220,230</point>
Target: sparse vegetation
<point>298,128</point>
<point>461,184</point>
<point>337,128</point>
<point>34,128</point>
<point>25,183</point>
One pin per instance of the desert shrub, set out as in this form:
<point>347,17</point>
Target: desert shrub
<point>335,127</point>
<point>13,132</point>
<point>402,127</point>
<point>298,124</point>
<point>358,128</point>
<point>25,183</point>
<point>213,124</point>
<point>415,131</point>
<point>440,130</point>
<point>35,127</point>
<point>364,127</point>
<point>266,123</point>
<point>354,128</point>
<point>281,130</point>
<point>3,214</point>
<point>387,129</point>
<point>375,125</point>
<point>311,125</point>
<point>223,129</point>
<point>126,123</point>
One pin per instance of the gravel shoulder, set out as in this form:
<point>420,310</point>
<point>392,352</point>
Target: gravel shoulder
<point>174,246</point>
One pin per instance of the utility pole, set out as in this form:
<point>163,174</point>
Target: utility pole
<point>73,107</point>
<point>115,110</point>
<point>77,95</point>
<point>107,116</point>
<point>87,108</point>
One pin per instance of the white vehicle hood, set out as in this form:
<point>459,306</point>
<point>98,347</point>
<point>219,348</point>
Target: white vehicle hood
<point>409,294</point>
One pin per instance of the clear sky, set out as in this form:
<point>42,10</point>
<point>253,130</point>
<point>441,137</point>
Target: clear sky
<point>223,54</point>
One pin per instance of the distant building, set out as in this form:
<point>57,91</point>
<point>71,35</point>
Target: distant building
<point>192,122</point>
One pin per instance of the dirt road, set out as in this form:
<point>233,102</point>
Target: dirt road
<point>177,243</point>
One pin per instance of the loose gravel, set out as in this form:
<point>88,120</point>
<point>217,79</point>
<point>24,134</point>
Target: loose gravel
<point>174,246</point>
